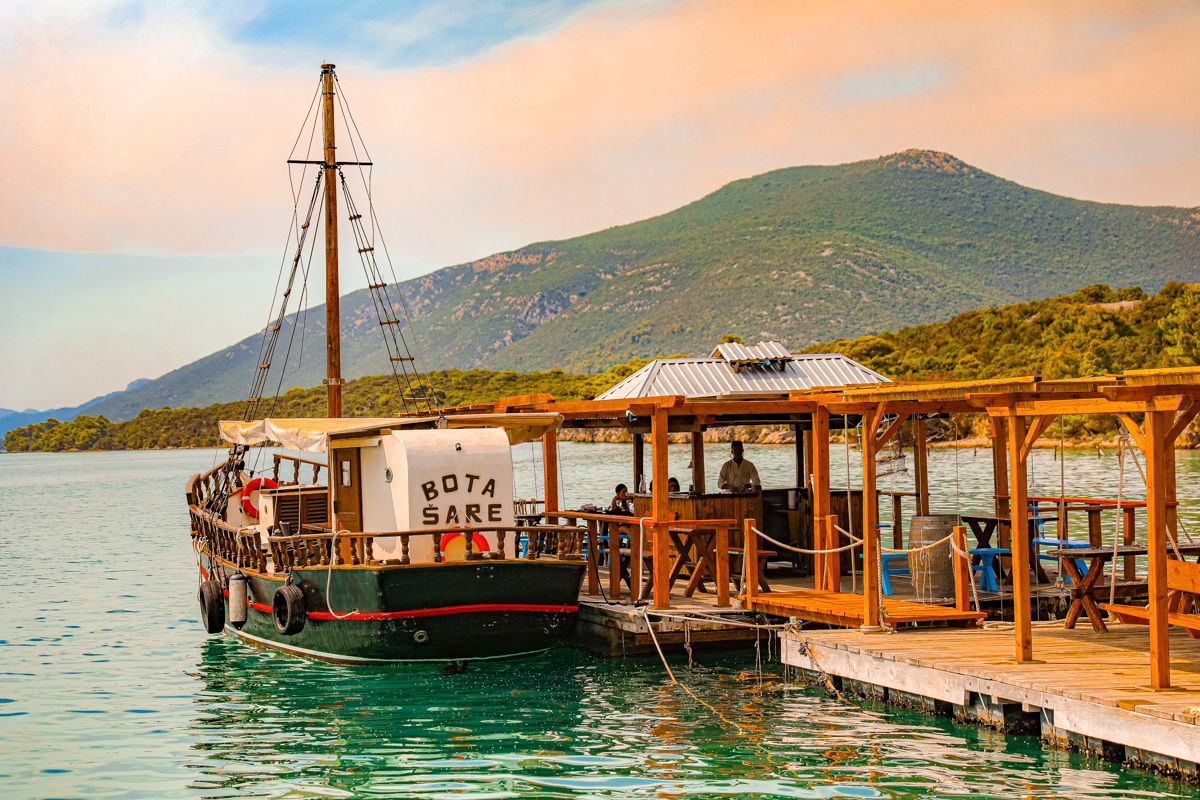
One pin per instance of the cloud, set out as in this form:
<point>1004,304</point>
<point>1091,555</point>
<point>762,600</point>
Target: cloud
<point>159,131</point>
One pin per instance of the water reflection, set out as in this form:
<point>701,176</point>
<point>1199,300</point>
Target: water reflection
<point>566,725</point>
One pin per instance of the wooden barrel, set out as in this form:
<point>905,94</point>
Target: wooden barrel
<point>932,570</point>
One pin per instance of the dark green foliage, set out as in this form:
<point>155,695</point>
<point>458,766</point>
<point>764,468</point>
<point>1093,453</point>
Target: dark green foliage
<point>1093,331</point>
<point>374,396</point>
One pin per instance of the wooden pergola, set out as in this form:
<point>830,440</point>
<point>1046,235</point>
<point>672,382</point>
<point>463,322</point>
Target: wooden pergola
<point>1155,406</point>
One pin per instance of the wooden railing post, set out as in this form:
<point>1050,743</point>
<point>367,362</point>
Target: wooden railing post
<point>820,542</point>
<point>593,557</point>
<point>614,562</point>
<point>833,562</point>
<point>661,565</point>
<point>962,570</point>
<point>898,522</point>
<point>750,560</point>
<point>722,565</point>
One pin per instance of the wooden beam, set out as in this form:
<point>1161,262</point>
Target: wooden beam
<point>658,472</point>
<point>892,429</point>
<point>1157,424</point>
<point>1019,490</point>
<point>1086,405</point>
<point>1033,434</point>
<point>921,465</point>
<point>962,570</point>
<point>698,462</point>
<point>1181,422</point>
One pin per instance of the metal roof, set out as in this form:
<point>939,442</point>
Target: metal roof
<point>763,351</point>
<point>697,378</point>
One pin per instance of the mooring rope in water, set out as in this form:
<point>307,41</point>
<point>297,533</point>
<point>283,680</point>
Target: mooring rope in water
<point>742,730</point>
<point>694,616</point>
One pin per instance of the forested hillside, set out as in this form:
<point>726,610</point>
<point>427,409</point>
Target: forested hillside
<point>1093,331</point>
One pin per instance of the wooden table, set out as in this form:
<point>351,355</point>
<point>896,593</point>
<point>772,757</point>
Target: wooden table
<point>1085,586</point>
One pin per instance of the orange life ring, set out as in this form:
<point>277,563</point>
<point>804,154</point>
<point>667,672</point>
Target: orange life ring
<point>250,488</point>
<point>480,544</point>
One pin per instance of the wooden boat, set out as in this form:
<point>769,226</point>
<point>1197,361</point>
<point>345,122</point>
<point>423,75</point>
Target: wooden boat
<point>402,543</point>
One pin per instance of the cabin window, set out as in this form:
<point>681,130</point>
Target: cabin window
<point>346,480</point>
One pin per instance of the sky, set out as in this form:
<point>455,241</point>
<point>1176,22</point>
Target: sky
<point>147,200</point>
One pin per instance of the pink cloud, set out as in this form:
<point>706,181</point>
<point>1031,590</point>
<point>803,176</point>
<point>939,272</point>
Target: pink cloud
<point>168,137</point>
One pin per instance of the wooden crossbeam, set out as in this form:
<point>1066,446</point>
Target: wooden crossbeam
<point>1181,422</point>
<point>1033,434</point>
<point>1135,430</point>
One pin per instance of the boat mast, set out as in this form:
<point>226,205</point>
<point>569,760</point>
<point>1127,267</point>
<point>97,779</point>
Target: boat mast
<point>333,320</point>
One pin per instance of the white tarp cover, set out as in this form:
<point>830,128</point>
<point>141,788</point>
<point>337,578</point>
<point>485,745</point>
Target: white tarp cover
<point>312,434</point>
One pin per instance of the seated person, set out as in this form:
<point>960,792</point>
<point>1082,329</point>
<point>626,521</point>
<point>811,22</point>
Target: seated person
<point>738,474</point>
<point>621,503</point>
<point>673,485</point>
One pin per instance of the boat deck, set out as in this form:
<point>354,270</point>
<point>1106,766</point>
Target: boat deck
<point>1086,690</point>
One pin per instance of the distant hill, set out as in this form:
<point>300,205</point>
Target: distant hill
<point>803,255</point>
<point>10,419</point>
<point>1092,331</point>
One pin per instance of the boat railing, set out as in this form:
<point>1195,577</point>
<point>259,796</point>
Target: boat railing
<point>241,546</point>
<point>296,465</point>
<point>323,547</point>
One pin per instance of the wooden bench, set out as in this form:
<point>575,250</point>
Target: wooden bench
<point>1183,584</point>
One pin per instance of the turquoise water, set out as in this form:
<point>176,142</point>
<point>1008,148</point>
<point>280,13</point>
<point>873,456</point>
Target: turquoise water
<point>109,689</point>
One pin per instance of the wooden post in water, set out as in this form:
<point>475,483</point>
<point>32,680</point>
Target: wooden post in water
<point>333,323</point>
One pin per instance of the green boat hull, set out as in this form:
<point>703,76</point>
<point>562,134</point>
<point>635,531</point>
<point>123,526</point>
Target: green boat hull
<point>456,611</point>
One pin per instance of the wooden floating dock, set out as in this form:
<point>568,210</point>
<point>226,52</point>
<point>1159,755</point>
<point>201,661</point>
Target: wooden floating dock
<point>1087,691</point>
<point>621,629</point>
<point>846,609</point>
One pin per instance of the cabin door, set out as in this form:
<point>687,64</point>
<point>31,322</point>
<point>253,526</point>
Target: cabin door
<point>347,491</point>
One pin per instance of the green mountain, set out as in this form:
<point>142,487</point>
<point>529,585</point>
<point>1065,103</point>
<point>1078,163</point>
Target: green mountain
<point>802,255</point>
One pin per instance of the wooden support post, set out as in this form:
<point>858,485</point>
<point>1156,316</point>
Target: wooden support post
<point>1019,491</point>
<point>1000,472</point>
<point>698,462</point>
<point>801,448</point>
<point>921,467</point>
<point>550,473</point>
<point>721,546</point>
<point>962,570</point>
<point>750,560</point>
<point>1129,536</point>
<point>1156,426</point>
<point>897,522</point>
<point>819,542</point>
<point>658,478</point>
<point>639,461</point>
<point>819,500</point>
<point>870,513</point>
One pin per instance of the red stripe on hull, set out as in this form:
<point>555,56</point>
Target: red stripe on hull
<point>375,616</point>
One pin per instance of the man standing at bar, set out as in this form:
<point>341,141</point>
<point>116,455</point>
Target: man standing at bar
<point>738,474</point>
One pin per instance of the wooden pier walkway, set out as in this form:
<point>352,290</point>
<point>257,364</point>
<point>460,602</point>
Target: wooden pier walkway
<point>1086,691</point>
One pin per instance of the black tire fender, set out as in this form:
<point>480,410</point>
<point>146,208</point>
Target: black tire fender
<point>288,610</point>
<point>212,606</point>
